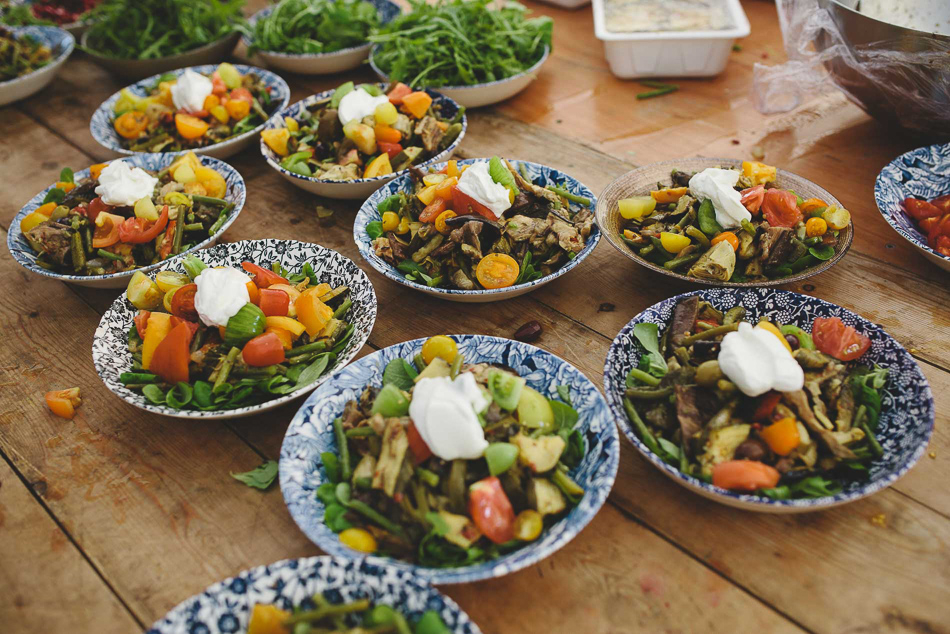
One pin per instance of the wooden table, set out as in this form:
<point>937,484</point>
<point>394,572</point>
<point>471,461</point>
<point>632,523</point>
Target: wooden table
<point>109,520</point>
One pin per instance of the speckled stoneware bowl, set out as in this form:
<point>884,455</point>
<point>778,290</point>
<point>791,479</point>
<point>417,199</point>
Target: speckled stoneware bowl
<point>217,51</point>
<point>922,173</point>
<point>311,433</point>
<point>75,29</point>
<point>358,188</point>
<point>540,174</point>
<point>640,181</point>
<point>110,350</point>
<point>225,607</point>
<point>907,415</point>
<point>103,131</point>
<point>60,43</point>
<point>25,256</point>
<point>481,94</point>
<point>319,63</point>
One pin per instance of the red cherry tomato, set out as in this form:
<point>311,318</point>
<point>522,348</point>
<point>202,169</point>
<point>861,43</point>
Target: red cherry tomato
<point>420,450</point>
<point>274,303</point>
<point>752,198</point>
<point>943,245</point>
<point>942,228</point>
<point>745,475</point>
<point>170,359</point>
<point>780,208</point>
<point>95,206</point>
<point>263,277</point>
<point>920,209</point>
<point>464,204</point>
<point>183,302</point>
<point>141,319</point>
<point>138,231</point>
<point>242,94</point>
<point>392,149</point>
<point>834,338</point>
<point>263,350</point>
<point>399,91</point>
<point>218,86</point>
<point>491,510</point>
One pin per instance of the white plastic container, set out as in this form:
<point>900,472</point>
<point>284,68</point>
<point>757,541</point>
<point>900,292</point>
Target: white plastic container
<point>670,53</point>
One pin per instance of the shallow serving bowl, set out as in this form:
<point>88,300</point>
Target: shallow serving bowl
<point>73,28</point>
<point>25,256</point>
<point>640,181</point>
<point>217,51</point>
<point>540,174</point>
<point>311,433</point>
<point>225,607</point>
<point>104,132</point>
<point>358,188</point>
<point>907,415</point>
<point>482,94</point>
<point>320,63</point>
<point>922,173</point>
<point>60,43</point>
<point>110,352</point>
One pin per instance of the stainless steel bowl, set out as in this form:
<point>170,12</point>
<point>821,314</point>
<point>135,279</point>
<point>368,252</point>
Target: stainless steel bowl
<point>895,95</point>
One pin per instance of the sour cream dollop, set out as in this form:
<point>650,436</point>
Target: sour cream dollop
<point>718,185</point>
<point>190,91</point>
<point>221,294</point>
<point>357,104</point>
<point>477,183</point>
<point>122,185</point>
<point>444,413</point>
<point>756,361</point>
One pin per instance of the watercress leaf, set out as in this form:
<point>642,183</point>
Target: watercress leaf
<point>179,396</point>
<point>400,373</point>
<point>66,175</point>
<point>565,416</point>
<point>649,338</point>
<point>54,195</point>
<point>326,493</point>
<point>261,477</point>
<point>823,252</point>
<point>202,395</point>
<point>331,464</point>
<point>574,451</point>
<point>334,518</point>
<point>390,203</point>
<point>776,493</point>
<point>154,394</point>
<point>564,391</point>
<point>314,370</point>
<point>374,229</point>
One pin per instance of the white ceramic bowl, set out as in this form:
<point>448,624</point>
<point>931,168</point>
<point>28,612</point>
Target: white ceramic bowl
<point>104,132</point>
<point>62,45</point>
<point>359,188</point>
<point>319,63</point>
<point>482,94</point>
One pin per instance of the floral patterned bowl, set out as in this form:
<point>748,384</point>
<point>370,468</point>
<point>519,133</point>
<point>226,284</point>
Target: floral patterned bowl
<point>110,352</point>
<point>225,607</point>
<point>59,42</point>
<point>922,173</point>
<point>540,174</point>
<point>311,433</point>
<point>907,415</point>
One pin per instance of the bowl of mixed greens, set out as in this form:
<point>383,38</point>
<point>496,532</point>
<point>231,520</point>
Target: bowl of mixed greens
<point>475,53</point>
<point>146,118</point>
<point>725,222</point>
<point>235,330</point>
<point>314,594</point>
<point>388,130</point>
<point>316,37</point>
<point>138,38</point>
<point>811,407</point>
<point>424,231</point>
<point>67,231</point>
<point>30,57</point>
<point>518,455</point>
<point>69,15</point>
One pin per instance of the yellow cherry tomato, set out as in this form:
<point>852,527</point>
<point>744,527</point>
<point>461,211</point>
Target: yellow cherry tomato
<point>403,226</point>
<point>439,346</point>
<point>386,114</point>
<point>636,207</point>
<point>528,525</point>
<point>497,270</point>
<point>452,168</point>
<point>440,225</point>
<point>276,139</point>
<point>291,124</point>
<point>816,227</point>
<point>838,218</point>
<point>237,108</point>
<point>726,236</point>
<point>220,113</point>
<point>390,221</point>
<point>131,124</point>
<point>674,242</point>
<point>190,127</point>
<point>358,539</point>
<point>772,328</point>
<point>267,619</point>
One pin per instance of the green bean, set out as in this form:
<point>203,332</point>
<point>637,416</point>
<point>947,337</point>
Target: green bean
<point>360,432</point>
<point>524,171</point>
<point>643,377</point>
<point>647,250</point>
<point>711,333</point>
<point>680,261</point>
<point>327,611</point>
<point>342,308</point>
<point>748,227</point>
<point>645,434</point>
<point>137,378</point>
<point>210,200</point>
<point>419,361</point>
<point>346,469</point>
<point>213,229</point>
<point>225,369</point>
<point>456,486</point>
<point>195,226</point>
<point>78,252</point>
<point>648,395</point>
<point>374,516</point>
<point>456,366</point>
<point>659,250</point>
<point>861,422</point>
<point>102,253</point>
<point>429,477</point>
<point>264,372</point>
<point>733,315</point>
<point>574,198</point>
<point>687,219</point>
<point>179,232</point>
<point>693,232</point>
<point>316,346</point>
<point>659,92</point>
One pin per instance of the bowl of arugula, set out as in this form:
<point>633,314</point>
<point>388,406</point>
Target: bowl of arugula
<point>501,53</point>
<point>316,37</point>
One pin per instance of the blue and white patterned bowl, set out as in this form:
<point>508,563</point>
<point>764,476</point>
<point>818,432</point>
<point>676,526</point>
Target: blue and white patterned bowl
<point>104,132</point>
<point>540,174</point>
<point>907,415</point>
<point>73,28</point>
<point>922,173</point>
<point>59,42</point>
<point>311,432</point>
<point>320,63</point>
<point>25,256</point>
<point>110,351</point>
<point>225,607</point>
<point>360,187</point>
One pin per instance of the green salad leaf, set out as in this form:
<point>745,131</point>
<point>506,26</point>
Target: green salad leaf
<point>259,478</point>
<point>314,26</point>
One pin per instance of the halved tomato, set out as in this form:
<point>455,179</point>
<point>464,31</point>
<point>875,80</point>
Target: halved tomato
<point>141,320</point>
<point>780,208</point>
<point>834,338</point>
<point>138,231</point>
<point>491,510</point>
<point>107,231</point>
<point>920,209</point>
<point>183,302</point>
<point>752,198</point>
<point>263,350</point>
<point>420,450</point>
<point>464,204</point>
<point>263,277</point>
<point>274,302</point>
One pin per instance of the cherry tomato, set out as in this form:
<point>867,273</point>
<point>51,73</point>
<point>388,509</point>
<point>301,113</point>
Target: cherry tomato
<point>727,236</point>
<point>95,207</point>
<point>943,245</point>
<point>745,475</point>
<point>420,450</point>
<point>263,277</point>
<point>274,303</point>
<point>491,510</point>
<point>752,198</point>
<point>141,319</point>
<point>107,231</point>
<point>137,230</point>
<point>942,228</point>
<point>218,87</point>
<point>399,91</point>
<point>834,338</point>
<point>497,270</point>
<point>920,209</point>
<point>780,208</point>
<point>432,211</point>
<point>263,350</point>
<point>392,149</point>
<point>242,94</point>
<point>439,346</point>
<point>465,204</point>
<point>189,126</point>
<point>528,525</point>
<point>183,302</point>
<point>131,124</point>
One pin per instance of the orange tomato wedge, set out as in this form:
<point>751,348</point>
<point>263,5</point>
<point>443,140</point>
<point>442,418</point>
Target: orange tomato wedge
<point>782,436</point>
<point>744,475</point>
<point>63,403</point>
<point>170,359</point>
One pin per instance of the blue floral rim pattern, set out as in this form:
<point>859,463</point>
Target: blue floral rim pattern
<point>922,173</point>
<point>448,108</point>
<point>907,415</point>
<point>104,133</point>
<point>311,432</point>
<point>540,174</point>
<point>225,607</point>
<point>59,41</point>
<point>25,256</point>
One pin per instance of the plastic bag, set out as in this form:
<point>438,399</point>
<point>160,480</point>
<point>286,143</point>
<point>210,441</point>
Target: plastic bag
<point>904,81</point>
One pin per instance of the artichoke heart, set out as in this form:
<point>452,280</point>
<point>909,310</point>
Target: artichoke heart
<point>716,264</point>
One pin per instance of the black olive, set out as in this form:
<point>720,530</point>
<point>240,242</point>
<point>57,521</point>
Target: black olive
<point>528,332</point>
<point>752,449</point>
<point>792,341</point>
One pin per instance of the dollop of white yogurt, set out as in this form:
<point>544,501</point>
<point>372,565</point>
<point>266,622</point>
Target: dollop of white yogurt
<point>756,361</point>
<point>121,185</point>
<point>477,183</point>
<point>190,91</point>
<point>718,185</point>
<point>221,294</point>
<point>357,104</point>
<point>445,413</point>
